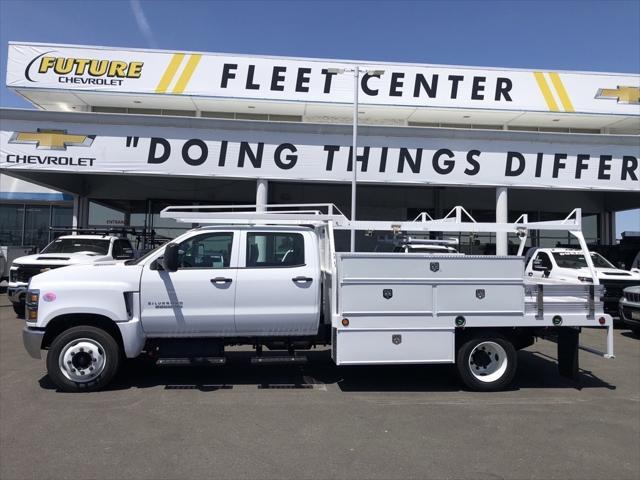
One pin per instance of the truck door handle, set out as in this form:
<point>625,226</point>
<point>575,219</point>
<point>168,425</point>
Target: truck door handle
<point>220,280</point>
<point>302,279</point>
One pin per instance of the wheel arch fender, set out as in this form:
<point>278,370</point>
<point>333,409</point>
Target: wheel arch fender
<point>59,324</point>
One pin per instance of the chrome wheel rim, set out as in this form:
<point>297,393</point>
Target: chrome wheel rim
<point>488,361</point>
<point>82,360</point>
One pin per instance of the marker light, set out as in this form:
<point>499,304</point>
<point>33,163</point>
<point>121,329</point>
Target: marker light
<point>345,322</point>
<point>557,320</point>
<point>602,320</point>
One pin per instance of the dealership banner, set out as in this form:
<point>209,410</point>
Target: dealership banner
<point>236,149</point>
<point>208,75</point>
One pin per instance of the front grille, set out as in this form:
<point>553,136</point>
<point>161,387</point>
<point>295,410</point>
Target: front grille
<point>25,272</point>
<point>626,311</point>
<point>632,297</point>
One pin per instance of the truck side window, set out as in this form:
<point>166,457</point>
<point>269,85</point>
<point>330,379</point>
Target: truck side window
<point>211,250</point>
<point>542,262</point>
<point>275,249</point>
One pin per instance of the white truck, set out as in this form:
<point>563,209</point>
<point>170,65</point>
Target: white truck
<point>272,278</point>
<point>64,251</point>
<point>570,266</point>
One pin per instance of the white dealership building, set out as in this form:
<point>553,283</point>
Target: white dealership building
<point>118,134</point>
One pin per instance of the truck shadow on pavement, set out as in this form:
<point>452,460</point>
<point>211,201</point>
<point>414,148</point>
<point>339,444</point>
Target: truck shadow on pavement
<point>535,370</point>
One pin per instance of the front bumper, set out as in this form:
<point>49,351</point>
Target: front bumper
<point>32,340</point>
<point>626,311</point>
<point>17,292</point>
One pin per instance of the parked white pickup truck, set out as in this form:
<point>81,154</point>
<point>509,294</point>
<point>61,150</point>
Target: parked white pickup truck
<point>569,265</point>
<point>274,279</point>
<point>63,251</point>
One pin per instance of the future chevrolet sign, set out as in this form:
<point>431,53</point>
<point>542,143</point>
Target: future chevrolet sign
<point>131,71</point>
<point>320,153</point>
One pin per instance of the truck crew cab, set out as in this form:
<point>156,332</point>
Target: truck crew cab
<point>274,279</point>
<point>569,265</point>
<point>63,251</point>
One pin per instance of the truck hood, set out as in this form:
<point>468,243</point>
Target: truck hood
<point>77,258</point>
<point>126,277</point>
<point>609,274</point>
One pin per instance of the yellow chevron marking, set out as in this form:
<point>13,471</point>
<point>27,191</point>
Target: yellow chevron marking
<point>546,92</point>
<point>169,73</point>
<point>186,74</point>
<point>562,92</point>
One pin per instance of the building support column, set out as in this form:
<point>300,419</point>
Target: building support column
<point>502,216</point>
<point>80,211</point>
<point>607,228</point>
<point>262,194</point>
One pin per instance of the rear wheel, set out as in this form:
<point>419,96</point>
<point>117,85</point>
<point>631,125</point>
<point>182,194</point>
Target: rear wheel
<point>83,358</point>
<point>487,362</point>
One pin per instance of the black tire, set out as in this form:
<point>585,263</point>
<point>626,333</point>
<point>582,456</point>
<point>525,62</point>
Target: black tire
<point>19,309</point>
<point>111,353</point>
<point>504,375</point>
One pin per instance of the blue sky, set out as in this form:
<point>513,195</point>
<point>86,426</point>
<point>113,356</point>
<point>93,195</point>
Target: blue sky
<point>557,35</point>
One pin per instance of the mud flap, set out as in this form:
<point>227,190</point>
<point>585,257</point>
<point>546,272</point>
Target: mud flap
<point>568,342</point>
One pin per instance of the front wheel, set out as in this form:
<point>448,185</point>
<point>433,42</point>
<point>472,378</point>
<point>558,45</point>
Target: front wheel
<point>83,358</point>
<point>487,362</point>
<point>18,308</point>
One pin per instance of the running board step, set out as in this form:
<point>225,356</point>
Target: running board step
<point>278,360</point>
<point>200,361</point>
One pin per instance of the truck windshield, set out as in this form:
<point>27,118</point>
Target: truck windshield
<point>141,258</point>
<point>577,260</point>
<point>72,245</point>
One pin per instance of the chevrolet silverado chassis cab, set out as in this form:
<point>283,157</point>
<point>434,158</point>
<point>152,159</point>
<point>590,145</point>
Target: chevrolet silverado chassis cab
<point>273,279</point>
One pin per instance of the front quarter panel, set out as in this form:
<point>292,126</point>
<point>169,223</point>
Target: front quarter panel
<point>86,289</point>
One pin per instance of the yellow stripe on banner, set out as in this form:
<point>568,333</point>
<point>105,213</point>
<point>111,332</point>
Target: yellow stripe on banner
<point>170,72</point>
<point>186,74</point>
<point>546,93</point>
<point>562,92</point>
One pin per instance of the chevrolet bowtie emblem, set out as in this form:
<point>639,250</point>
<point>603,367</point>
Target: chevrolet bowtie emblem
<point>622,94</point>
<point>52,139</point>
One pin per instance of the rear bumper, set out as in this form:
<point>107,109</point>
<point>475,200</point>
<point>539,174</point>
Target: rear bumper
<point>32,340</point>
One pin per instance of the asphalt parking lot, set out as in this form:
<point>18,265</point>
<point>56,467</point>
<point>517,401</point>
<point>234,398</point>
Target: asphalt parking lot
<point>320,421</point>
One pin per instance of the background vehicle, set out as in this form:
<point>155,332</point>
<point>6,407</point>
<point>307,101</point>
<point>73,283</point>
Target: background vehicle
<point>570,266</point>
<point>7,255</point>
<point>64,251</point>
<point>630,308</point>
<point>273,279</point>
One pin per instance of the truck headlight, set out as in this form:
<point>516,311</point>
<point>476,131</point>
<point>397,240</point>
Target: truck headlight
<point>13,274</point>
<point>31,302</point>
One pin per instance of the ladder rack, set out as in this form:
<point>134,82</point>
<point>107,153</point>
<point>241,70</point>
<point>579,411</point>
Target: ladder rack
<point>457,220</point>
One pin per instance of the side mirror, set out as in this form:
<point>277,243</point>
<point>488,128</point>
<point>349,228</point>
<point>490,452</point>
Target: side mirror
<point>170,259</point>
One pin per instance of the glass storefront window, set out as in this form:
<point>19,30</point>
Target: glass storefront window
<point>61,217</point>
<point>11,217</point>
<point>36,225</point>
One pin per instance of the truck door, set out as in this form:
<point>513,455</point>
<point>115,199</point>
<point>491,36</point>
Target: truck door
<point>198,299</point>
<point>278,290</point>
